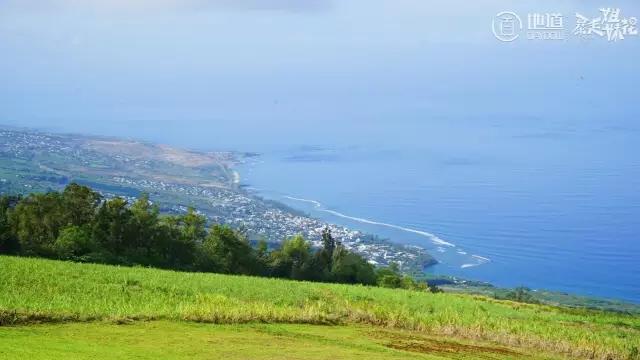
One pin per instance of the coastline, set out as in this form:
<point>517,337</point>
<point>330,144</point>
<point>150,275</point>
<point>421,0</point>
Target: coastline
<point>176,185</point>
<point>434,246</point>
<point>456,283</point>
<point>415,262</point>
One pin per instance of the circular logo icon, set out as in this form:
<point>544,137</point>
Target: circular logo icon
<point>506,26</point>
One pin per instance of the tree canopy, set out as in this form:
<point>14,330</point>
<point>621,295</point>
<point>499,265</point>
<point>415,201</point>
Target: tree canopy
<point>78,224</point>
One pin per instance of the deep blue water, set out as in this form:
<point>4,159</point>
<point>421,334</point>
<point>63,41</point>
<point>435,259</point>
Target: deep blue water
<point>519,204</point>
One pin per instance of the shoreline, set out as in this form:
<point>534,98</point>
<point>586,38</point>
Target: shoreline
<point>470,260</point>
<point>175,185</point>
<point>458,283</point>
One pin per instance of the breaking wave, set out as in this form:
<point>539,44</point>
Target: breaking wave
<point>479,261</point>
<point>434,238</point>
<point>316,203</point>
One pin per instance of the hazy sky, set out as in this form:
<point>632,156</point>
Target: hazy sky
<point>250,73</point>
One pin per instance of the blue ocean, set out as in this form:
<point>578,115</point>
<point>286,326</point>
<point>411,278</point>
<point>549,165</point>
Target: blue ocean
<point>511,204</point>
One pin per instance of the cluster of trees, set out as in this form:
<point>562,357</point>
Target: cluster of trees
<point>78,224</point>
<point>520,294</point>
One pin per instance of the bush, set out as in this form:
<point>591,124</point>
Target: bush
<point>73,242</point>
<point>390,277</point>
<point>351,268</point>
<point>520,294</point>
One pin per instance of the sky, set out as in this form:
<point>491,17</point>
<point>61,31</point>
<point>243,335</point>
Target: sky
<point>250,74</point>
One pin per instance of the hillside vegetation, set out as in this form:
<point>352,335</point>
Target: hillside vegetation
<point>48,291</point>
<point>79,224</point>
<point>188,340</point>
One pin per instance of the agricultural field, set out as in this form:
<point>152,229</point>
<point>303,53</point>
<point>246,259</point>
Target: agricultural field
<point>99,311</point>
<point>185,340</point>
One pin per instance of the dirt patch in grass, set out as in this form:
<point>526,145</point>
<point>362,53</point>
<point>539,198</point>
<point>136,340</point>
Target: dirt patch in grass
<point>413,343</point>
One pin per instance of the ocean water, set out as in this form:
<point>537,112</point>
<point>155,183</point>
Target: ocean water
<point>509,204</point>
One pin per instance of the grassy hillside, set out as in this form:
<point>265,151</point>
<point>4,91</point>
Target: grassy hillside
<point>44,291</point>
<point>187,340</point>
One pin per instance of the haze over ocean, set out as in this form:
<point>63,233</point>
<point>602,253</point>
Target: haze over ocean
<point>407,114</point>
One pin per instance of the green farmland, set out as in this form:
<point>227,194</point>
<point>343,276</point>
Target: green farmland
<point>54,309</point>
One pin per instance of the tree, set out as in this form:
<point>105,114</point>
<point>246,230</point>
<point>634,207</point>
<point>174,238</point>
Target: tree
<point>186,234</point>
<point>110,228</point>
<point>80,204</point>
<point>36,221</point>
<point>263,257</point>
<point>520,294</point>
<point>74,242</point>
<point>323,259</point>
<point>144,239</point>
<point>351,268</point>
<point>193,226</point>
<point>9,243</point>
<point>389,277</point>
<point>228,252</point>
<point>328,246</point>
<point>293,259</point>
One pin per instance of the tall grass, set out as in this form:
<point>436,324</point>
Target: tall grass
<point>36,290</point>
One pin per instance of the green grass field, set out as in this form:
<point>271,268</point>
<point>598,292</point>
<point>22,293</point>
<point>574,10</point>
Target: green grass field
<point>188,340</point>
<point>49,309</point>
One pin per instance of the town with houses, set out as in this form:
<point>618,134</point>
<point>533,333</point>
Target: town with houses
<point>33,161</point>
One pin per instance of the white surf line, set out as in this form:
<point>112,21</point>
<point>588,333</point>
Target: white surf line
<point>481,260</point>
<point>434,238</point>
<point>316,203</point>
